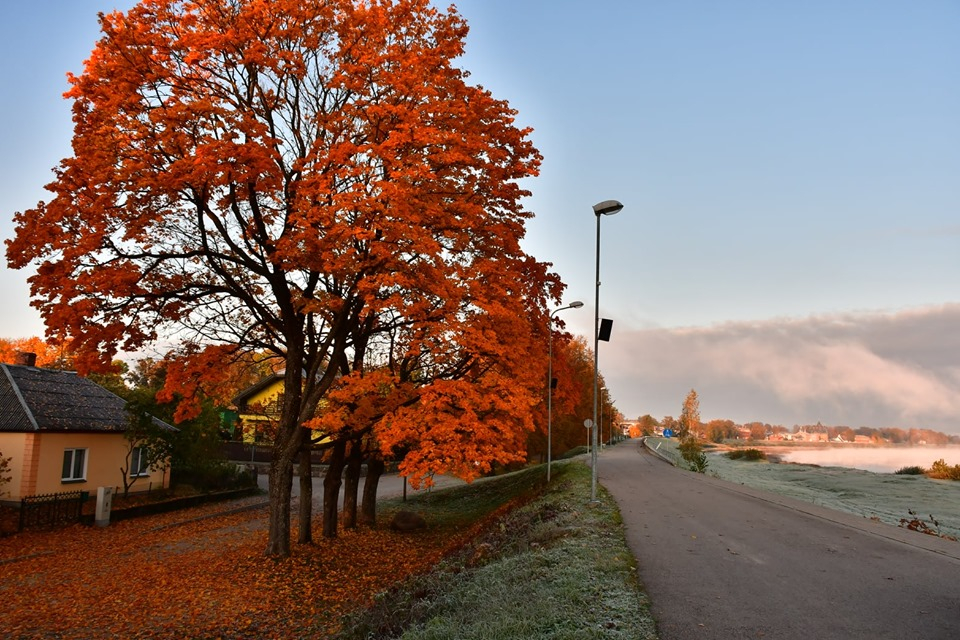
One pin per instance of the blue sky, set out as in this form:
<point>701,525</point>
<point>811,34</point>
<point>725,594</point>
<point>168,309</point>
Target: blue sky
<point>790,241</point>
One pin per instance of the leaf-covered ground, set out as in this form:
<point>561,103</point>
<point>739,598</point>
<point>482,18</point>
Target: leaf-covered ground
<point>200,573</point>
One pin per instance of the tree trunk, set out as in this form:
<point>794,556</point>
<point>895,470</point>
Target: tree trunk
<point>286,446</point>
<point>305,534</point>
<point>368,509</point>
<point>331,488</point>
<point>352,484</point>
<point>281,485</point>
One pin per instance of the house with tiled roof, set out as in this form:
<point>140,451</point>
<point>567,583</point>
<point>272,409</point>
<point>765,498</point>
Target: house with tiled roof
<point>63,432</point>
<point>258,409</point>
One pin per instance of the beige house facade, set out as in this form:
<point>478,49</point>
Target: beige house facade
<point>61,433</point>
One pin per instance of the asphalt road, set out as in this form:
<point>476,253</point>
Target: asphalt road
<point>722,561</point>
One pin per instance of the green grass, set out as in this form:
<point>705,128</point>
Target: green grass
<point>555,567</point>
<point>465,504</point>
<point>573,453</point>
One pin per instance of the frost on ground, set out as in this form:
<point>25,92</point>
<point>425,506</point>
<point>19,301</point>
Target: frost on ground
<point>885,496</point>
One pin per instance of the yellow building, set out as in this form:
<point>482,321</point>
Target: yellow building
<point>258,409</point>
<point>62,432</point>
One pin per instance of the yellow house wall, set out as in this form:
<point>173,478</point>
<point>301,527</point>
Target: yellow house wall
<point>106,453</point>
<point>249,427</point>
<point>267,395</point>
<point>12,446</point>
<point>248,421</point>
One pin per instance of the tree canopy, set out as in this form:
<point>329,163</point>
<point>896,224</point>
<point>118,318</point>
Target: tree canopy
<point>313,179</point>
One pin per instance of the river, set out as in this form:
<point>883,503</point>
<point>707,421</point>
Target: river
<point>876,459</point>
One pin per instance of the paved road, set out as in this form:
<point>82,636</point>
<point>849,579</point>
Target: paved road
<point>722,561</point>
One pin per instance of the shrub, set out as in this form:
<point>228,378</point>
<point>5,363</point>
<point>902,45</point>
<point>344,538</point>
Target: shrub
<point>747,454</point>
<point>916,523</point>
<point>692,452</point>
<point>942,471</point>
<point>218,476</point>
<point>698,462</point>
<point>910,471</point>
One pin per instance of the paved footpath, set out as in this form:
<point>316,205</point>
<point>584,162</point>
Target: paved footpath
<point>723,561</point>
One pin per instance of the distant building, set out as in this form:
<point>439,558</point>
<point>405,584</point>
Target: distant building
<point>805,436</point>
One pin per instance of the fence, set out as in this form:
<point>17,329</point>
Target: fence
<point>246,452</point>
<point>52,509</point>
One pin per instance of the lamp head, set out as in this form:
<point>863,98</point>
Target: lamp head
<point>576,304</point>
<point>607,208</point>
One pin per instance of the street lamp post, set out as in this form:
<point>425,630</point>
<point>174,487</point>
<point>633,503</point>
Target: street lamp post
<point>600,420</point>
<point>605,208</point>
<point>573,305</point>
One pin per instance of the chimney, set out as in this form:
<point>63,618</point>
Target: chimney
<point>25,359</point>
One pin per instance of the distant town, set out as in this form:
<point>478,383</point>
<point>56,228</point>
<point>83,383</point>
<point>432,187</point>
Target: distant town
<point>721,430</point>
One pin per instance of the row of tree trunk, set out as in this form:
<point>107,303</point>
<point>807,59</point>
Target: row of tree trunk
<point>345,466</point>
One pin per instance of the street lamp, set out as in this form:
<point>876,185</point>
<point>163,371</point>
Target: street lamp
<point>573,305</point>
<point>605,208</point>
<point>603,403</point>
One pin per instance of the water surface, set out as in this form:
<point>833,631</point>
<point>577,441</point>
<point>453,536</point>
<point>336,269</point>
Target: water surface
<point>876,459</point>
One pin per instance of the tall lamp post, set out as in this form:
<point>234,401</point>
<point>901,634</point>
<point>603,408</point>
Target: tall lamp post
<point>573,305</point>
<point>603,403</point>
<point>605,208</point>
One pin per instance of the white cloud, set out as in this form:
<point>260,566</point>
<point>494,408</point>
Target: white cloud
<point>874,369</point>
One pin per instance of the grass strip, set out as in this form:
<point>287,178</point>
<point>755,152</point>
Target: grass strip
<point>553,565</point>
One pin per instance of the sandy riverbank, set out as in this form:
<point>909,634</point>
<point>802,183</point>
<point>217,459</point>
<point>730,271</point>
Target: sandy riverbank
<point>884,496</point>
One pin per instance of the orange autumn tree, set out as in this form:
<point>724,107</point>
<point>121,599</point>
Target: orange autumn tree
<point>48,355</point>
<point>478,391</point>
<point>294,177</point>
<point>572,385</point>
<point>573,397</point>
<point>456,396</point>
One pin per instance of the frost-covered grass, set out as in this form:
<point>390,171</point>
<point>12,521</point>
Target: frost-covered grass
<point>886,496</point>
<point>555,567</point>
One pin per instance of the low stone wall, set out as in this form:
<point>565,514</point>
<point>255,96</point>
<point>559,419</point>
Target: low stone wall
<point>174,504</point>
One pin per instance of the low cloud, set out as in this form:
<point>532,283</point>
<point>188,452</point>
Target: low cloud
<point>857,369</point>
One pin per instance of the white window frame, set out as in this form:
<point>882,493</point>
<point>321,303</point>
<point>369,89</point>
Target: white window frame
<point>137,467</point>
<point>72,468</point>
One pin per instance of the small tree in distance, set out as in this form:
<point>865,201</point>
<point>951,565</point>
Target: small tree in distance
<point>690,415</point>
<point>690,447</point>
<point>647,425</point>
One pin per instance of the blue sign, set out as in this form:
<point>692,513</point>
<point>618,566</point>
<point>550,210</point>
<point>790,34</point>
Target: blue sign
<point>668,433</point>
